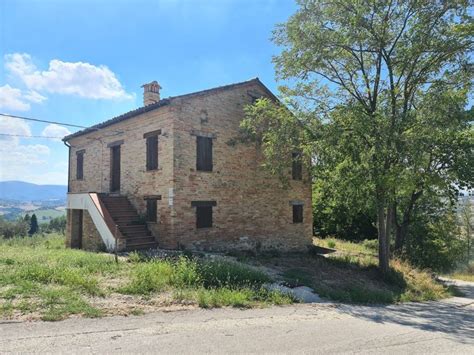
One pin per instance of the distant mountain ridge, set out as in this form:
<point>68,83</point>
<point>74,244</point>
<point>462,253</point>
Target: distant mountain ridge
<point>25,191</point>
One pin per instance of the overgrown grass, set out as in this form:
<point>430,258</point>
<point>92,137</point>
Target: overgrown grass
<point>350,274</point>
<point>365,247</point>
<point>40,277</point>
<point>465,274</point>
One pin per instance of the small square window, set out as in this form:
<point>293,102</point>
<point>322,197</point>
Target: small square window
<point>203,213</point>
<point>204,216</point>
<point>297,213</point>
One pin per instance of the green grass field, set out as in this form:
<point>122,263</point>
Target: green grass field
<point>40,278</point>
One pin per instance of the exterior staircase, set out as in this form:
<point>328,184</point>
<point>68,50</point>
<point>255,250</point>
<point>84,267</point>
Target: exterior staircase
<point>136,233</point>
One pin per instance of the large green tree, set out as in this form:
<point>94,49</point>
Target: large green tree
<point>377,92</point>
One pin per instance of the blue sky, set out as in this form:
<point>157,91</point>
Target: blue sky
<point>83,62</point>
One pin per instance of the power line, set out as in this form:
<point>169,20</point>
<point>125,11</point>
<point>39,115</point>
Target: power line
<point>27,136</point>
<point>44,121</point>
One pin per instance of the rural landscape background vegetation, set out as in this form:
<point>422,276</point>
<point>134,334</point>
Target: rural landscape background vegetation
<point>376,100</point>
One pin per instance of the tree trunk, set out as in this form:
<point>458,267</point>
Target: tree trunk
<point>382,235</point>
<point>402,228</point>
<point>400,234</point>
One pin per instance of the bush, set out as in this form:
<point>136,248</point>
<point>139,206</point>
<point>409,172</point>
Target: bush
<point>11,229</point>
<point>371,244</point>
<point>434,242</point>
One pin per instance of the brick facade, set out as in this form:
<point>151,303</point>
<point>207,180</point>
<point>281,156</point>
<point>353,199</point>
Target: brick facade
<point>252,211</point>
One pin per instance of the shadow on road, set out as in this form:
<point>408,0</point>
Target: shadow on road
<point>446,317</point>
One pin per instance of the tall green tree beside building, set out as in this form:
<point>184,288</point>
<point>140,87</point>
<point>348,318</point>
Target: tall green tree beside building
<point>377,95</point>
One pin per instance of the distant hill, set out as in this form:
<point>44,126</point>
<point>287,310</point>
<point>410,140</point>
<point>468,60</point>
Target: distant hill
<point>25,191</point>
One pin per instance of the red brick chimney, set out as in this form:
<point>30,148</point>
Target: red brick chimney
<point>151,93</point>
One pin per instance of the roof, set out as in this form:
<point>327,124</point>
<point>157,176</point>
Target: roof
<point>165,102</point>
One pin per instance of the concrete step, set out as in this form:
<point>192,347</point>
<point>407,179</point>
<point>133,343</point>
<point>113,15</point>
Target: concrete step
<point>139,240</point>
<point>141,246</point>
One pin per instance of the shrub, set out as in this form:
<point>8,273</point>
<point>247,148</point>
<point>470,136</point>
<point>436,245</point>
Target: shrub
<point>371,244</point>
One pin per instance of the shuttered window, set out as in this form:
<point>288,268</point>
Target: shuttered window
<point>297,213</point>
<point>203,153</point>
<point>152,152</point>
<point>80,165</point>
<point>297,167</point>
<point>203,213</point>
<point>151,210</point>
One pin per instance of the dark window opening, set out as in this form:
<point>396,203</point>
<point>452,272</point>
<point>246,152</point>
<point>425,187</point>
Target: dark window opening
<point>297,213</point>
<point>80,166</point>
<point>151,210</point>
<point>203,213</point>
<point>297,167</point>
<point>152,153</point>
<point>203,153</point>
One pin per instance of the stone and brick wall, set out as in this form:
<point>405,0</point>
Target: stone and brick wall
<point>253,209</point>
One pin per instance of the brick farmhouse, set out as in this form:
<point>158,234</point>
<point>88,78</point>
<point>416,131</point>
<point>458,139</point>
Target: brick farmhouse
<point>171,175</point>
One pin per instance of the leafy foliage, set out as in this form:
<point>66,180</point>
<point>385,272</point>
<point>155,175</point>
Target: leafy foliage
<point>33,225</point>
<point>377,98</point>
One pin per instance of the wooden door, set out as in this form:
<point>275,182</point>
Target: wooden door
<point>115,169</point>
<point>80,229</point>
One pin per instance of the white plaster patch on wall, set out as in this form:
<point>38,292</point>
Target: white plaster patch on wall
<point>170,196</point>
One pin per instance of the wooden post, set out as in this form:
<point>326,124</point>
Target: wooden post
<point>116,245</point>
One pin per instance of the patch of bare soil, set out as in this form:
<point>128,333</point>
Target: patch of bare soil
<point>318,272</point>
<point>118,304</point>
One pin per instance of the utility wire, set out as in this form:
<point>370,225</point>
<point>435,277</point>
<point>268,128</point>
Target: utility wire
<point>26,136</point>
<point>38,120</point>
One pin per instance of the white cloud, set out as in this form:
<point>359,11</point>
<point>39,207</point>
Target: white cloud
<point>54,130</point>
<point>11,99</point>
<point>13,126</point>
<point>27,162</point>
<point>34,96</point>
<point>69,78</point>
<point>18,160</point>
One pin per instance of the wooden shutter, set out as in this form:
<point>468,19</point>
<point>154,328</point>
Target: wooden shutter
<point>151,210</point>
<point>297,213</point>
<point>297,167</point>
<point>203,213</point>
<point>204,216</point>
<point>80,165</point>
<point>203,153</point>
<point>152,153</point>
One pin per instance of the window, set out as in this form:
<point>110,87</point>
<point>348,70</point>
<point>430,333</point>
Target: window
<point>152,150</point>
<point>151,209</point>
<point>203,213</point>
<point>297,168</point>
<point>80,165</point>
<point>203,153</point>
<point>297,213</point>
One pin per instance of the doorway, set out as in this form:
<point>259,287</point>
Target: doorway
<point>115,168</point>
<point>77,228</point>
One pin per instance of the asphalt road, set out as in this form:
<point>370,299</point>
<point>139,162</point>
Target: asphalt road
<point>432,327</point>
